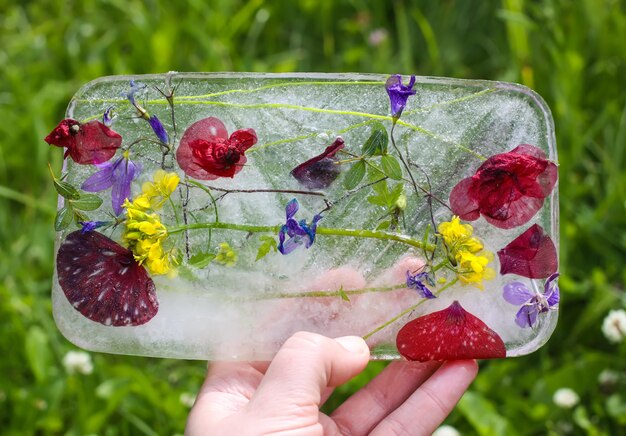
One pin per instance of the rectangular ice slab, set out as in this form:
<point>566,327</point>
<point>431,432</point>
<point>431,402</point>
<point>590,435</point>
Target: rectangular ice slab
<point>211,216</point>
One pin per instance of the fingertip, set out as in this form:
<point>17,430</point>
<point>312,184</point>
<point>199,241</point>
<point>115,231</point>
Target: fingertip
<point>354,344</point>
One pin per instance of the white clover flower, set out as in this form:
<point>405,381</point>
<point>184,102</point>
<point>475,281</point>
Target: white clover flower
<point>565,398</point>
<point>78,362</point>
<point>614,325</point>
<point>187,399</point>
<point>608,377</point>
<point>446,430</point>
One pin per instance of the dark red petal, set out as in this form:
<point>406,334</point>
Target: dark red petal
<point>532,254</point>
<point>320,171</point>
<point>102,280</point>
<point>449,334</point>
<point>243,139</point>
<point>530,150</point>
<point>63,135</point>
<point>205,129</point>
<point>95,143</point>
<point>461,203</point>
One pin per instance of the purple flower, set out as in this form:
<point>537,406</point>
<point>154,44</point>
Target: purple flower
<point>108,118</point>
<point>90,226</point>
<point>158,129</point>
<point>416,281</point>
<point>398,93</point>
<point>135,87</point>
<point>533,302</point>
<point>299,232</point>
<point>118,176</point>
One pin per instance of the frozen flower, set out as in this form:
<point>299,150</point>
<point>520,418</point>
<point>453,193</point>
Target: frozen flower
<point>299,232</point>
<point>158,129</point>
<point>416,281</point>
<point>533,303</point>
<point>159,190</point>
<point>187,399</point>
<point>614,326</point>
<point>109,116</point>
<point>90,226</point>
<point>466,252</point>
<point>226,255</point>
<point>399,93</point>
<point>118,176</point>
<point>78,362</point>
<point>446,430</point>
<point>532,254</point>
<point>137,88</point>
<point>565,398</point>
<point>89,143</point>
<point>206,152</point>
<point>320,171</point>
<point>508,189</point>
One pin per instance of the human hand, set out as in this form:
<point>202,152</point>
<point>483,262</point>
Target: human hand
<point>284,396</point>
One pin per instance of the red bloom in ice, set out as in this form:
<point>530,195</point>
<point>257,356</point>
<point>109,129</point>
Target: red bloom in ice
<point>89,143</point>
<point>320,171</point>
<point>102,280</point>
<point>206,152</point>
<point>532,254</point>
<point>449,334</point>
<point>508,189</point>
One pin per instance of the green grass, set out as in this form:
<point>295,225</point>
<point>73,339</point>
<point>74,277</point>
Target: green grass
<point>572,53</point>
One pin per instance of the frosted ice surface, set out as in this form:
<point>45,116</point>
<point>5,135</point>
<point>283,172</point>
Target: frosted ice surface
<point>246,311</point>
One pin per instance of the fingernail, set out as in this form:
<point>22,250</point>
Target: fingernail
<point>353,344</point>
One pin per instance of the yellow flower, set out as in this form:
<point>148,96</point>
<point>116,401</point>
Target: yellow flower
<point>226,255</point>
<point>453,231</point>
<point>473,269</point>
<point>159,190</point>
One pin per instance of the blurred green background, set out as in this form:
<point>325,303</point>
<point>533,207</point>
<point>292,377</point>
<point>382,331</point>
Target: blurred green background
<point>572,52</point>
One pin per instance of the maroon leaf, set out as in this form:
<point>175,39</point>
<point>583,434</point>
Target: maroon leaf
<point>508,189</point>
<point>320,171</point>
<point>449,334</point>
<point>89,143</point>
<point>532,254</point>
<point>102,280</point>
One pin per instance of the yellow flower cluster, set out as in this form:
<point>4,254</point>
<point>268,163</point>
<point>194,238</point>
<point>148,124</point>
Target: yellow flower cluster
<point>226,255</point>
<point>468,252</point>
<point>144,232</point>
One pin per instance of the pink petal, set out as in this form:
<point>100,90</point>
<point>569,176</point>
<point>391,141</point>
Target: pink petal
<point>532,254</point>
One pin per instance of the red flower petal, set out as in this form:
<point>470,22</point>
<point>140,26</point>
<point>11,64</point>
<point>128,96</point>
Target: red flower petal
<point>449,334</point>
<point>89,143</point>
<point>102,280</point>
<point>206,152</point>
<point>532,254</point>
<point>320,171</point>
<point>508,189</point>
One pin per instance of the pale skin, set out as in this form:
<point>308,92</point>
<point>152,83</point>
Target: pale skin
<point>283,397</point>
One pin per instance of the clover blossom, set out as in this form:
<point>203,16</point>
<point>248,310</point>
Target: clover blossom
<point>466,252</point>
<point>398,94</point>
<point>533,302</point>
<point>416,281</point>
<point>299,232</point>
<point>118,176</point>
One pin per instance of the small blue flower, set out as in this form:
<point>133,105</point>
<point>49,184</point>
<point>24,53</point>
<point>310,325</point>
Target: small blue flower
<point>533,302</point>
<point>135,87</point>
<point>416,281</point>
<point>299,232</point>
<point>90,226</point>
<point>117,175</point>
<point>158,129</point>
<point>399,93</point>
<point>109,116</point>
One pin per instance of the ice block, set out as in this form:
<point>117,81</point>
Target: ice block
<point>212,215</point>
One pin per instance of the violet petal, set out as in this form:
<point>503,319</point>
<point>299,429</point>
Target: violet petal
<point>517,293</point>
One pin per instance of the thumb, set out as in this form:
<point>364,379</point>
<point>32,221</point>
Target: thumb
<point>305,365</point>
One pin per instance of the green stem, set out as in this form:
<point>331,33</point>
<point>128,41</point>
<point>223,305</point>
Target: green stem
<point>404,312</point>
<point>360,233</point>
<point>330,293</point>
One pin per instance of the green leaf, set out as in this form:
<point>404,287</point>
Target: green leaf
<point>79,216</point>
<point>376,144</point>
<point>384,225</point>
<point>343,295</point>
<point>201,260</point>
<point>378,200</point>
<point>391,167</point>
<point>482,414</point>
<point>63,218</point>
<point>66,190</point>
<point>37,352</point>
<point>269,243</point>
<point>354,175</point>
<point>87,202</point>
